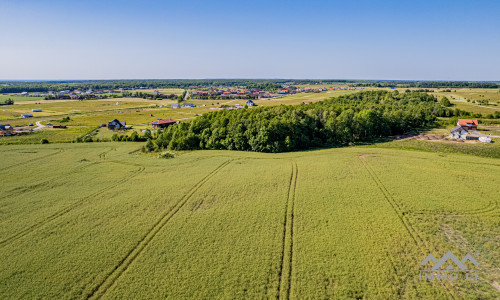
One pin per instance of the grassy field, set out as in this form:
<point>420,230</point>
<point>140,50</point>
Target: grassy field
<point>100,220</point>
<point>19,98</point>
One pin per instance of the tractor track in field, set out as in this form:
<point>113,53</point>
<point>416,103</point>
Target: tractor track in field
<point>72,206</point>
<point>48,183</point>
<point>285,274</point>
<point>60,150</point>
<point>414,234</point>
<point>110,279</point>
<point>51,183</point>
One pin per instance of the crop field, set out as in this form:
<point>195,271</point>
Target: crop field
<point>100,220</point>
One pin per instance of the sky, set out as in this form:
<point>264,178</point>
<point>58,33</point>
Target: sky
<point>315,39</point>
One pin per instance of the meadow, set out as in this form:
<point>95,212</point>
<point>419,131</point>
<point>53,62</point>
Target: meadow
<point>101,220</point>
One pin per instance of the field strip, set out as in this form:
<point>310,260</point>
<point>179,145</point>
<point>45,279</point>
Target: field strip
<point>110,279</point>
<point>419,242</point>
<point>285,275</point>
<point>60,150</point>
<point>71,206</point>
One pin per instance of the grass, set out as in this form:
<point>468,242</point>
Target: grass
<point>19,98</point>
<point>52,135</point>
<point>100,220</point>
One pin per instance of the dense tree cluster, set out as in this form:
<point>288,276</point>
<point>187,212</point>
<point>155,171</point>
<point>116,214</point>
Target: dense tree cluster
<point>338,121</point>
<point>7,102</point>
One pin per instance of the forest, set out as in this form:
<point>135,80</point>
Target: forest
<point>335,122</point>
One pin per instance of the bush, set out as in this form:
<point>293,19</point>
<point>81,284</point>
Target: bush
<point>44,141</point>
<point>445,102</point>
<point>166,155</point>
<point>134,137</point>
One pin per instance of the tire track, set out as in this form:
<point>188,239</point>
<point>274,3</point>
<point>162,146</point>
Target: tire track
<point>414,234</point>
<point>71,206</point>
<point>60,150</point>
<point>48,183</point>
<point>285,273</point>
<point>110,279</point>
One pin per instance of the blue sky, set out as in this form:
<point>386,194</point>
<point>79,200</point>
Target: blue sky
<point>416,40</point>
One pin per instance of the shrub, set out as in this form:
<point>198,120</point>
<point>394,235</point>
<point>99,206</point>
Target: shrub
<point>44,141</point>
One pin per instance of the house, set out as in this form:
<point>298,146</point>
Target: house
<point>163,123</point>
<point>24,94</point>
<point>6,130</point>
<point>468,124</point>
<point>462,133</point>
<point>115,124</point>
<point>187,105</point>
<point>36,110</point>
<point>27,116</point>
<point>250,103</point>
<point>176,105</point>
<point>458,133</point>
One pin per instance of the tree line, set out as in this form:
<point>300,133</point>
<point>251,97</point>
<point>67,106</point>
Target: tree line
<point>338,121</point>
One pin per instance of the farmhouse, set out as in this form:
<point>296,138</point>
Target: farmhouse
<point>163,123</point>
<point>175,105</point>
<point>115,124</point>
<point>187,105</point>
<point>36,110</point>
<point>467,130</point>
<point>250,103</point>
<point>468,124</point>
<point>6,130</point>
<point>27,116</point>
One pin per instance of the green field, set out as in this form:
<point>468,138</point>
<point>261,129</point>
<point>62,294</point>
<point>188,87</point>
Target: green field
<point>99,220</point>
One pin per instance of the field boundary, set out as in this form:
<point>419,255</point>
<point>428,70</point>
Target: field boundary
<point>285,274</point>
<point>110,279</point>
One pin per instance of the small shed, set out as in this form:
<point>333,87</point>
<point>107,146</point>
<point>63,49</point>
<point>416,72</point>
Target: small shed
<point>36,110</point>
<point>27,116</point>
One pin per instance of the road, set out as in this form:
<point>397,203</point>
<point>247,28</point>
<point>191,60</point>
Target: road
<point>186,96</point>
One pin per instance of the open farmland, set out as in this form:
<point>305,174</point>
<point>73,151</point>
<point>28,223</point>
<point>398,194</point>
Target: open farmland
<point>99,220</point>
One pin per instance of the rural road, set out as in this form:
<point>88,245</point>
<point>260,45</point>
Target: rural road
<point>186,96</point>
<point>39,125</point>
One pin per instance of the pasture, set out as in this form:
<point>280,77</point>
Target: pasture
<point>100,220</point>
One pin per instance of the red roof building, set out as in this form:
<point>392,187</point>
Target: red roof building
<point>468,124</point>
<point>163,123</point>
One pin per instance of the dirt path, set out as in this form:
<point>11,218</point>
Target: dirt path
<point>39,125</point>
